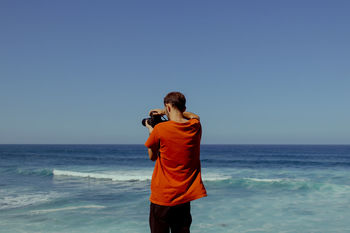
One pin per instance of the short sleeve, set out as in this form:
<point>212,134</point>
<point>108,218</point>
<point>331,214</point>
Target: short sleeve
<point>195,121</point>
<point>153,139</point>
<point>196,124</point>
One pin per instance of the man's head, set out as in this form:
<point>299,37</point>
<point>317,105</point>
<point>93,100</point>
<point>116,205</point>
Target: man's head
<point>176,100</point>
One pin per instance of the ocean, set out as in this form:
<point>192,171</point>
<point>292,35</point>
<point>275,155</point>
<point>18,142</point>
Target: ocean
<point>105,188</point>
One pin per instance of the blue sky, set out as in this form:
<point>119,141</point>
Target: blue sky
<point>257,72</point>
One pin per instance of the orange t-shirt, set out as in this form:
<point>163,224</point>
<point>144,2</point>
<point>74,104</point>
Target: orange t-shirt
<point>176,176</point>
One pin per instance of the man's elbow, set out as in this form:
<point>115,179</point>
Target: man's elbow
<point>153,158</point>
<point>152,155</point>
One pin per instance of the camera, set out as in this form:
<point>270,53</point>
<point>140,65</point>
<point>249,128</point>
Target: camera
<point>153,120</point>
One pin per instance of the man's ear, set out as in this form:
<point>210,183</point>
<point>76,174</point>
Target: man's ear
<point>168,107</point>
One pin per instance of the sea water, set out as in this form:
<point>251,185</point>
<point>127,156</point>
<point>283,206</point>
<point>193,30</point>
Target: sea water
<point>105,188</point>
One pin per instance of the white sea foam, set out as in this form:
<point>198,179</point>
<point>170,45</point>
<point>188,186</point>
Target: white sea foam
<point>115,176</point>
<point>265,180</point>
<point>212,176</point>
<point>130,175</point>
<point>275,180</point>
<point>16,200</point>
<point>67,208</point>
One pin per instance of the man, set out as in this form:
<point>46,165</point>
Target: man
<point>176,179</point>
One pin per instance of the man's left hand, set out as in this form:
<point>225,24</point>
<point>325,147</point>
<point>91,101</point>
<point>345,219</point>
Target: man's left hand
<point>150,128</point>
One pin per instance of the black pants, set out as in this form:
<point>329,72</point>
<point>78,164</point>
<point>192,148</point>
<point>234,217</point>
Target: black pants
<point>177,218</point>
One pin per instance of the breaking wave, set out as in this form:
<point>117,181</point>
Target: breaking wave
<point>136,175</point>
<point>117,176</point>
<point>210,177</point>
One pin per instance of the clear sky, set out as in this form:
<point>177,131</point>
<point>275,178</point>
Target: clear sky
<point>275,72</point>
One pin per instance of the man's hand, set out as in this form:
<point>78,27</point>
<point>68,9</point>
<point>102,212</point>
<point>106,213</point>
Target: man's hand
<point>150,129</point>
<point>157,111</point>
<point>190,115</point>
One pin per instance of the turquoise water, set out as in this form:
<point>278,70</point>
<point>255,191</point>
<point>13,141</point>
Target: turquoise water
<point>105,188</point>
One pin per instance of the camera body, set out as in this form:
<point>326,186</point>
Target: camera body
<point>153,120</point>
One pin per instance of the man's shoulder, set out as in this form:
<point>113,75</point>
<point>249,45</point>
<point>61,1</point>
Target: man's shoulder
<point>194,120</point>
<point>171,124</point>
<point>162,124</point>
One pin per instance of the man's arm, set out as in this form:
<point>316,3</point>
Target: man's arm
<point>153,154</point>
<point>190,115</point>
<point>158,111</point>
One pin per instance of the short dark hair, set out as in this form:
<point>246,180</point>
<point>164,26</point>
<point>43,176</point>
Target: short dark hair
<point>176,99</point>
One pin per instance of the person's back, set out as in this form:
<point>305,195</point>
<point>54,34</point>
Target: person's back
<point>176,179</point>
<point>177,175</point>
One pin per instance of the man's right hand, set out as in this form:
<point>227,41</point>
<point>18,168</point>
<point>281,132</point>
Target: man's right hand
<point>158,111</point>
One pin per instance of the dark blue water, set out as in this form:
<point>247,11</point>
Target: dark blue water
<point>105,188</point>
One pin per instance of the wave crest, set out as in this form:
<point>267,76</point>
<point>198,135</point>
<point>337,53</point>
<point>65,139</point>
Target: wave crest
<point>40,172</point>
<point>136,175</point>
<point>282,184</point>
<point>116,176</point>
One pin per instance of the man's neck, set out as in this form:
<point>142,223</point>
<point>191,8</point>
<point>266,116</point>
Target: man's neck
<point>177,117</point>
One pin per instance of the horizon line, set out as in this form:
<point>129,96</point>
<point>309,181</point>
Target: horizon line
<point>223,144</point>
